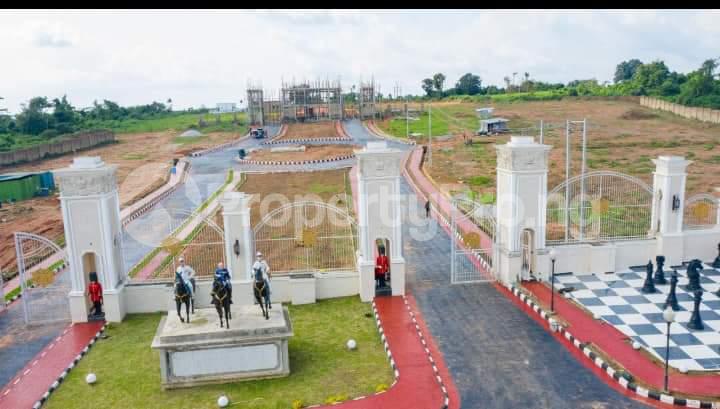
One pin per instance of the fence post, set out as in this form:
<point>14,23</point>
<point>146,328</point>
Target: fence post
<point>668,206</point>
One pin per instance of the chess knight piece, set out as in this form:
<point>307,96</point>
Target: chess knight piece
<point>695,320</point>
<point>671,300</point>
<point>693,275</point>
<point>716,263</point>
<point>659,273</point>
<point>649,286</point>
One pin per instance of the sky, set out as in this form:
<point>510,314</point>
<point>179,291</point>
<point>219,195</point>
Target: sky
<point>204,57</point>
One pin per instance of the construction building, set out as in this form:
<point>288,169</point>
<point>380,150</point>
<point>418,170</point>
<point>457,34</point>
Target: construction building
<point>305,102</point>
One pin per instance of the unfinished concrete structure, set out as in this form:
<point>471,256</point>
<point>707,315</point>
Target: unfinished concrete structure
<point>296,102</point>
<point>366,100</point>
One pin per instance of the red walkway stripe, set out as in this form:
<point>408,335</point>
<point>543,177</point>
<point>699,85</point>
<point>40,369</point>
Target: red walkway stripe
<point>31,382</point>
<point>613,343</point>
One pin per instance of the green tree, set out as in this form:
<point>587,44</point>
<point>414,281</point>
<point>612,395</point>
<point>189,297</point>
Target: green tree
<point>428,85</point>
<point>650,77</point>
<point>438,82</point>
<point>626,69</point>
<point>469,84</point>
<point>32,119</point>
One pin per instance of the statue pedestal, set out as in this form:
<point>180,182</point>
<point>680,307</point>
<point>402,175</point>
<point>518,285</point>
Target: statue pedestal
<point>203,353</point>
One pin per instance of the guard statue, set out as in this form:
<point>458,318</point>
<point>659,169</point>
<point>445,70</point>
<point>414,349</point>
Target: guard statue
<point>649,286</point>
<point>659,273</point>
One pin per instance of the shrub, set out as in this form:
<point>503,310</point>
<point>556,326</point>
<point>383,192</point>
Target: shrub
<point>298,404</point>
<point>381,388</point>
<point>480,181</point>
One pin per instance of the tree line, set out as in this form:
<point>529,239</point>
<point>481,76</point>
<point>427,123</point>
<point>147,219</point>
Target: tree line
<point>699,88</point>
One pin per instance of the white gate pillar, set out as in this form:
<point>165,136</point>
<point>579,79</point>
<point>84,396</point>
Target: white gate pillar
<point>380,215</point>
<point>669,206</point>
<point>238,234</point>
<point>91,218</point>
<point>521,204</point>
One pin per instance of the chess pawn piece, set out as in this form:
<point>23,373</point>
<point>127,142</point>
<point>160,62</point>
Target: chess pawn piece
<point>649,286</point>
<point>716,263</point>
<point>695,320</point>
<point>659,273</point>
<point>671,300</point>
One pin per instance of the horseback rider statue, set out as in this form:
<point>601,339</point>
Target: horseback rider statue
<point>223,276</point>
<point>263,268</point>
<point>186,274</point>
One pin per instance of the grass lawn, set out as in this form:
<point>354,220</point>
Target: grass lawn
<point>175,122</point>
<point>321,367</point>
<point>446,119</point>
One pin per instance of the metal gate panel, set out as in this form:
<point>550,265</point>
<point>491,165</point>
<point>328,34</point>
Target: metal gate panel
<point>44,264</point>
<point>472,242</point>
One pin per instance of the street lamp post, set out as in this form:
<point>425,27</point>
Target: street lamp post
<point>669,317</point>
<point>552,280</point>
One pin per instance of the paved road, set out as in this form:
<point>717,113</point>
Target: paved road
<point>498,356</point>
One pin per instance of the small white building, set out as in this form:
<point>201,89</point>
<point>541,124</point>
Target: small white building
<point>225,107</point>
<point>492,125</point>
<point>485,113</point>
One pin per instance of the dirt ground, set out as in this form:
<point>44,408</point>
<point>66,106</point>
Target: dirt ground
<point>143,160</point>
<point>311,153</point>
<point>621,136</point>
<point>315,130</point>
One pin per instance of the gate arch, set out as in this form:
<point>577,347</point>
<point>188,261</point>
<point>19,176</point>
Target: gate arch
<point>45,263</point>
<point>599,206</point>
<point>702,211</point>
<point>307,236</point>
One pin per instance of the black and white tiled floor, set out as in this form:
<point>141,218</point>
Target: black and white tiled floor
<point>617,299</point>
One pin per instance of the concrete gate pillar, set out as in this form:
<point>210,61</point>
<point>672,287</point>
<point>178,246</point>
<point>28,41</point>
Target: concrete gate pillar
<point>91,216</point>
<point>238,234</point>
<point>380,215</point>
<point>669,206</point>
<point>521,204</point>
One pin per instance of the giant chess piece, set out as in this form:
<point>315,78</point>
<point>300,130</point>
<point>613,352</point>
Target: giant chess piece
<point>695,320</point>
<point>649,286</point>
<point>693,275</point>
<point>716,263</point>
<point>659,273</point>
<point>671,300</point>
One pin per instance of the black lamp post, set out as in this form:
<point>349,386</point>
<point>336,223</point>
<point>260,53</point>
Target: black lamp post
<point>669,317</point>
<point>552,281</point>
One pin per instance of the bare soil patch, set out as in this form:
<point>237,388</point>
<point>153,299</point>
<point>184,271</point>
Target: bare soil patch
<point>143,160</point>
<point>314,130</point>
<point>621,136</point>
<point>311,153</point>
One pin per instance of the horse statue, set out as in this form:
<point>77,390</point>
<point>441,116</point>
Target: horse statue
<point>182,295</point>
<point>221,299</point>
<point>261,292</point>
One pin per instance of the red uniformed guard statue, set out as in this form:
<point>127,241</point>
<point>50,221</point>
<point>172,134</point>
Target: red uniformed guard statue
<point>96,294</point>
<point>381,268</point>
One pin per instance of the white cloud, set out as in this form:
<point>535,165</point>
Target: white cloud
<point>201,57</point>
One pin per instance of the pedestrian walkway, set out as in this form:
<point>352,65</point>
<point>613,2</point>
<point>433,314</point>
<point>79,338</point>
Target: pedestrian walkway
<point>32,381</point>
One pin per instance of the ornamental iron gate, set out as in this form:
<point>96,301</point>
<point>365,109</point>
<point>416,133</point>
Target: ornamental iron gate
<point>472,242</point>
<point>599,206</point>
<point>167,236</point>
<point>307,236</point>
<point>44,279</point>
<point>702,211</point>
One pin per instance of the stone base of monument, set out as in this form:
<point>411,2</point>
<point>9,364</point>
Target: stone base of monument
<point>201,352</point>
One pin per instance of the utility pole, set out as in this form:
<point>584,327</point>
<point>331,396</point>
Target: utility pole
<point>430,133</point>
<point>407,119</point>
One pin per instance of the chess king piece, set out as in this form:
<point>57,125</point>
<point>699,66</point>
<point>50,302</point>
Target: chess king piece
<point>716,263</point>
<point>671,300</point>
<point>659,273</point>
<point>649,286</point>
<point>695,320</point>
<point>693,275</point>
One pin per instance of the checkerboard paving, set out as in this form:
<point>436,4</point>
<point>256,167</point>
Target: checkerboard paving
<point>617,299</point>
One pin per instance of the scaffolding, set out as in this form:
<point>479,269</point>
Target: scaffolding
<point>318,101</point>
<point>366,100</point>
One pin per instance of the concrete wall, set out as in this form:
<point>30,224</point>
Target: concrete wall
<point>72,143</point>
<point>700,114</point>
<point>158,297</point>
<point>588,258</point>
